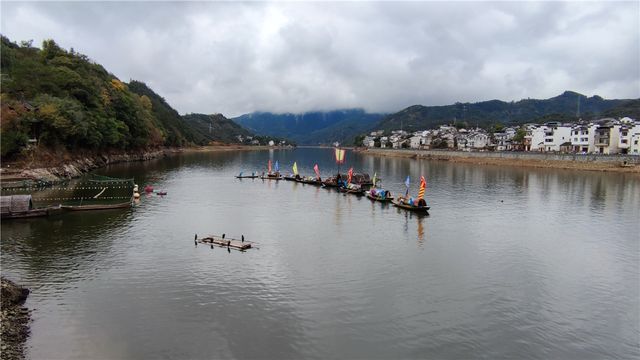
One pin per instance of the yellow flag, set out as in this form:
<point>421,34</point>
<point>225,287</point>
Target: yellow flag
<point>295,168</point>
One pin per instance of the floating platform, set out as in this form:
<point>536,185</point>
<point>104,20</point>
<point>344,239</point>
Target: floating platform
<point>236,244</point>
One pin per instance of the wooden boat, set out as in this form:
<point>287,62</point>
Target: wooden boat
<point>275,176</point>
<point>352,189</point>
<point>292,178</point>
<point>161,193</point>
<point>330,182</point>
<point>247,176</point>
<point>377,197</point>
<point>21,206</point>
<point>97,206</point>
<point>417,209</point>
<point>311,181</point>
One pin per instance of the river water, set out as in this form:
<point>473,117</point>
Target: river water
<point>511,263</point>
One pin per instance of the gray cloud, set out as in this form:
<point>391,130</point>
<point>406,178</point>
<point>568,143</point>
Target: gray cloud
<point>236,58</point>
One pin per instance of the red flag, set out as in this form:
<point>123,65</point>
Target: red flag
<point>269,166</point>
<point>315,168</point>
<point>350,175</point>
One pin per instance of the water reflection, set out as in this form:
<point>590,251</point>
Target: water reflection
<point>517,263</point>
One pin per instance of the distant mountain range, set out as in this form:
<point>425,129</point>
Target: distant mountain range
<point>311,128</point>
<point>569,106</point>
<point>314,128</point>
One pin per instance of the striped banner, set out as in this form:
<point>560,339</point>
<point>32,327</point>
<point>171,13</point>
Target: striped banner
<point>339,156</point>
<point>423,185</point>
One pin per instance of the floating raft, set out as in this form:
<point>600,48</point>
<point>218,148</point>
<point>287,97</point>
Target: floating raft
<point>230,242</point>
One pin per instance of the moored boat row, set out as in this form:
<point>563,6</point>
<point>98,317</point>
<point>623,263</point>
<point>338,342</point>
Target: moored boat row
<point>359,184</point>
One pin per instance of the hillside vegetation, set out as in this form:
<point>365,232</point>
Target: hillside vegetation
<point>311,128</point>
<point>67,102</point>
<point>563,107</point>
<point>216,128</point>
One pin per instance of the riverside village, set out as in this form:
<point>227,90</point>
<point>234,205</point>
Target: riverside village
<point>604,136</point>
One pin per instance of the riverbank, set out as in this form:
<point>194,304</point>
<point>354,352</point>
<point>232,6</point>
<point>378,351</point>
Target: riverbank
<point>611,163</point>
<point>14,320</point>
<point>55,167</point>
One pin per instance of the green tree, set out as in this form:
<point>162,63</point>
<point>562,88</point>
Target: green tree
<point>519,136</point>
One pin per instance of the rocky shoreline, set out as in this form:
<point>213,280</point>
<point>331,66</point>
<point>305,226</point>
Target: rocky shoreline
<point>629,164</point>
<point>14,321</point>
<point>54,169</point>
<point>70,168</point>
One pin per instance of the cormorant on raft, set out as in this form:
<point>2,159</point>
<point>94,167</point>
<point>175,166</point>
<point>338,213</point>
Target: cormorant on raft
<point>228,243</point>
<point>242,238</point>
<point>223,236</point>
<point>212,246</point>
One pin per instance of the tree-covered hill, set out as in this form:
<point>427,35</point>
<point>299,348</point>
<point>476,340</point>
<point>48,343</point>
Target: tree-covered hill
<point>63,100</point>
<point>311,127</point>
<point>216,127</point>
<point>630,108</point>
<point>568,105</point>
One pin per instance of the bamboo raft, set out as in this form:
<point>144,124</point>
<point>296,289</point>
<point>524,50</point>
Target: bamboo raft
<point>236,244</point>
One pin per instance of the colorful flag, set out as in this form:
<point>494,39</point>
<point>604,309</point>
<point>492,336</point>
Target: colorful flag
<point>295,168</point>
<point>315,168</point>
<point>269,167</point>
<point>407,183</point>
<point>423,185</point>
<point>374,179</point>
<point>350,173</point>
<point>339,156</point>
<point>277,167</point>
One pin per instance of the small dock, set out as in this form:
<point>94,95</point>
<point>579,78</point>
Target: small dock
<point>236,244</point>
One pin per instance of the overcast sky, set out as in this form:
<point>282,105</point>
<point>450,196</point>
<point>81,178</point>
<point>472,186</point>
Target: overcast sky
<point>235,58</point>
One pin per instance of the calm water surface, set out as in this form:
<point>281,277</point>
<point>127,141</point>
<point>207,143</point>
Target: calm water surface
<point>511,263</point>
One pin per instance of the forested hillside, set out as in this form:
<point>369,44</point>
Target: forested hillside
<point>216,127</point>
<point>311,127</point>
<point>63,100</point>
<point>568,105</point>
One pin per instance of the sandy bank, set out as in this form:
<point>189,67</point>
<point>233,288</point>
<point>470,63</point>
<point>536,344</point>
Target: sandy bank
<point>556,161</point>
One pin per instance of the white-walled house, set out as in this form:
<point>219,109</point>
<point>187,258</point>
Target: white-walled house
<point>369,141</point>
<point>627,131</point>
<point>503,140</point>
<point>550,137</point>
<point>634,148</point>
<point>415,142</point>
<point>607,138</point>
<point>473,140</point>
<point>581,139</point>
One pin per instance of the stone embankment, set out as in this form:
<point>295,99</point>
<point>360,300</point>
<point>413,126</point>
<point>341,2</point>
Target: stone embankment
<point>614,163</point>
<point>73,167</point>
<point>14,321</point>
